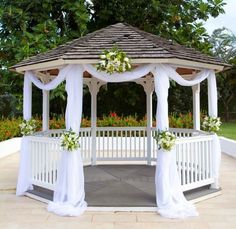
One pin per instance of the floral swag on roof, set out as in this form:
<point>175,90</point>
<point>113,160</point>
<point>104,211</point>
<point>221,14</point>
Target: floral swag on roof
<point>114,60</point>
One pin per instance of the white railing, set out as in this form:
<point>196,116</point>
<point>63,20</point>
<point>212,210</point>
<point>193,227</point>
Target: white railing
<point>126,144</point>
<point>45,153</point>
<point>193,152</point>
<point>194,161</point>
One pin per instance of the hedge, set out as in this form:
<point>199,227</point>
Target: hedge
<point>9,128</point>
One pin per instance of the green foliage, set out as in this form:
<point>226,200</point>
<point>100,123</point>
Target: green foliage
<point>32,27</point>
<point>224,47</point>
<point>181,120</point>
<point>178,20</point>
<point>228,130</point>
<point>8,105</point>
<point>9,128</point>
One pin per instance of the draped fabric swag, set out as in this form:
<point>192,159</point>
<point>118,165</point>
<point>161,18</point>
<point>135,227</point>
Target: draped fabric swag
<point>69,196</point>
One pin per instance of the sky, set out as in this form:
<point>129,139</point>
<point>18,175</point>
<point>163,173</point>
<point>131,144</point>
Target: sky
<point>227,20</point>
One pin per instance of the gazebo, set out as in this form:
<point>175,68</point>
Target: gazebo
<point>193,163</point>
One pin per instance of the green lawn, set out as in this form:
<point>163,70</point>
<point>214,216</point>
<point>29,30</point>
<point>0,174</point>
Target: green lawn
<point>228,130</point>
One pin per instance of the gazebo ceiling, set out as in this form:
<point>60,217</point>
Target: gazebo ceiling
<point>140,46</point>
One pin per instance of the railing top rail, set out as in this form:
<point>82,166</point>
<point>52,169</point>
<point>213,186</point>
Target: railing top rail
<point>110,128</point>
<point>195,133</point>
<point>57,131</point>
<point>194,139</point>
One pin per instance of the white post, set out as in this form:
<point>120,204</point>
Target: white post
<point>45,110</point>
<point>149,125</point>
<point>27,98</point>
<point>148,85</point>
<point>93,85</point>
<point>196,106</point>
<point>213,111</point>
<point>94,124</point>
<point>212,96</point>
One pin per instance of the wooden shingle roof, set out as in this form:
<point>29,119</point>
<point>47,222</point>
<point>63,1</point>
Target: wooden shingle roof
<point>140,46</point>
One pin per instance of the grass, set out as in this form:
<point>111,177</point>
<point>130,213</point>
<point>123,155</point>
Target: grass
<point>228,130</point>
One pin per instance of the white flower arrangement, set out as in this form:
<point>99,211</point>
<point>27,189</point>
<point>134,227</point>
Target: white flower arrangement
<point>28,127</point>
<point>211,124</point>
<point>114,60</point>
<point>70,141</point>
<point>165,140</point>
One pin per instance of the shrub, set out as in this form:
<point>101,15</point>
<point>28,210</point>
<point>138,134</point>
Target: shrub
<point>9,128</point>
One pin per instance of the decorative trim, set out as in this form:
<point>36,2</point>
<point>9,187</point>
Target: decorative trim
<point>175,61</point>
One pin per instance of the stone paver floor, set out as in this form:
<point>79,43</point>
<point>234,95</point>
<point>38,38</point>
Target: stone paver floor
<point>23,212</point>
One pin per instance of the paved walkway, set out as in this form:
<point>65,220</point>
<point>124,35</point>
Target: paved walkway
<point>23,212</point>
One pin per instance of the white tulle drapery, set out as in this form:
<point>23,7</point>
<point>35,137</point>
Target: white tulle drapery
<point>24,182</point>
<point>170,199</point>
<point>119,77</point>
<point>171,202</point>
<point>213,111</point>
<point>69,192</point>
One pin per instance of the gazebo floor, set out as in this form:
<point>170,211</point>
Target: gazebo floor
<point>122,186</point>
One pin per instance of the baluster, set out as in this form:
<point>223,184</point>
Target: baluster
<point>126,143</point>
<point>191,161</point>
<point>188,161</point>
<point>196,158</point>
<point>139,144</point>
<point>98,144</point>
<point>112,148</point>
<point>117,138</point>
<point>207,159</point>
<point>184,161</point>
<point>200,161</point>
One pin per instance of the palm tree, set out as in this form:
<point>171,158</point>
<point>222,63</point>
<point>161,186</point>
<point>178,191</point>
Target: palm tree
<point>224,47</point>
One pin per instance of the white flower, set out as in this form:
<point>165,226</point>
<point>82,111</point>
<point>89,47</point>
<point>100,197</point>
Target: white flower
<point>103,56</point>
<point>28,127</point>
<point>126,59</point>
<point>102,62</point>
<point>70,141</point>
<point>211,124</point>
<point>113,61</point>
<point>165,140</point>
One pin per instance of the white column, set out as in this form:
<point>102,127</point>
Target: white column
<point>27,98</point>
<point>93,85</point>
<point>213,111</point>
<point>212,95</point>
<point>149,88</point>
<point>45,110</point>
<point>94,124</point>
<point>149,126</point>
<point>196,106</point>
<point>148,85</point>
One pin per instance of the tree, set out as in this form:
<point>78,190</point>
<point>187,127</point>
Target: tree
<point>178,20</point>
<point>31,27</point>
<point>224,47</point>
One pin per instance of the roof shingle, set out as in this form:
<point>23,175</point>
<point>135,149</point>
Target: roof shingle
<point>136,43</point>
